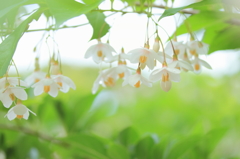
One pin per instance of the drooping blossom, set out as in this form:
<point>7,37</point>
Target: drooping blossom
<point>175,47</point>
<point>136,80</point>
<point>179,64</point>
<point>9,94</point>
<point>47,85</point>
<point>64,82</point>
<point>19,111</point>
<point>198,63</point>
<point>166,75</point>
<point>35,77</point>
<point>197,48</point>
<point>100,52</point>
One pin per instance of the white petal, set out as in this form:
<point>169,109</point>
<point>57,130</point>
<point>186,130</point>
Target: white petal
<point>26,115</point>
<point>38,89</point>
<point>205,64</point>
<point>53,90</point>
<point>90,51</point>
<point>132,80</point>
<point>146,82</point>
<point>6,100</point>
<point>11,115</point>
<point>156,74</point>
<point>186,65</point>
<point>166,86</point>
<point>19,93</point>
<point>174,77</point>
<point>20,109</point>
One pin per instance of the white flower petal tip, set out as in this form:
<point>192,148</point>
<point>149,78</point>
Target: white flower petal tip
<point>198,63</point>
<point>166,86</point>
<point>19,111</point>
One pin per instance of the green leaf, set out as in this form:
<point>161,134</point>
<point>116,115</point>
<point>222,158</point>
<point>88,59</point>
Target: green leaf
<point>144,148</point>
<point>183,146</point>
<point>226,39</point>
<point>118,152</point>
<point>65,10</point>
<point>213,137</point>
<point>86,145</point>
<point>128,136</point>
<point>172,11</point>
<point>97,21</point>
<point>7,6</point>
<point>8,46</point>
<point>161,149</point>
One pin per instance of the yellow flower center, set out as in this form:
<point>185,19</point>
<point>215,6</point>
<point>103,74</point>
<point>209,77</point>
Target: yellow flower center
<point>12,96</point>
<point>99,53</point>
<point>46,89</point>
<point>109,82</point>
<point>36,80</point>
<point>19,116</point>
<point>197,67</point>
<point>121,75</point>
<point>176,51</point>
<point>193,52</point>
<point>165,78</point>
<point>59,83</point>
<point>138,84</point>
<point>142,59</point>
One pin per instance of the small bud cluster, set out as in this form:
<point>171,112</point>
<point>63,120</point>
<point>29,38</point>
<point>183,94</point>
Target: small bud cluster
<point>174,58</point>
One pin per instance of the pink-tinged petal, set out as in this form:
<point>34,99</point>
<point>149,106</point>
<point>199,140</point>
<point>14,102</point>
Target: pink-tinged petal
<point>53,90</point>
<point>166,86</point>
<point>90,51</point>
<point>38,89</point>
<point>19,93</point>
<point>205,64</point>
<point>11,115</point>
<point>26,115</point>
<point>6,100</point>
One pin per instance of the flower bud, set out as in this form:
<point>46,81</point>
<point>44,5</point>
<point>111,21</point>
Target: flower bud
<point>156,45</point>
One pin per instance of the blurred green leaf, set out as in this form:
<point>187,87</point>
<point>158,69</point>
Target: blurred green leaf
<point>118,152</point>
<point>226,39</point>
<point>8,46</point>
<point>161,149</point>
<point>172,11</point>
<point>97,21</point>
<point>144,147</point>
<point>86,145</point>
<point>183,146</point>
<point>128,136</point>
<point>65,10</point>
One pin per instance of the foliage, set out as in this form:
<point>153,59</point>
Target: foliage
<point>196,120</point>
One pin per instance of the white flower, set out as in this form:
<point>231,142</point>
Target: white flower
<point>35,77</point>
<point>137,80</point>
<point>197,47</point>
<point>179,48</point>
<point>47,85</point>
<point>64,82</point>
<point>198,63</point>
<point>182,65</point>
<point>160,57</point>
<point>19,111</point>
<point>107,78</point>
<point>8,94</point>
<point>156,45</point>
<point>143,56</point>
<point>99,52</point>
<point>166,75</point>
<point>14,81</point>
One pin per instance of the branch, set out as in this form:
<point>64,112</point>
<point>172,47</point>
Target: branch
<point>34,133</point>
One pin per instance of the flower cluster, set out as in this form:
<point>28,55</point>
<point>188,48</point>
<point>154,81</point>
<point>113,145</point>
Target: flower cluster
<point>174,58</point>
<point>12,89</point>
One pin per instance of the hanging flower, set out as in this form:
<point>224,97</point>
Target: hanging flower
<point>100,52</point>
<point>47,85</point>
<point>19,111</point>
<point>137,80</point>
<point>166,74</point>
<point>177,48</point>
<point>8,94</point>
<point>198,63</point>
<point>197,48</point>
<point>179,64</point>
<point>107,78</point>
<point>35,77</point>
<point>64,82</point>
<point>143,56</point>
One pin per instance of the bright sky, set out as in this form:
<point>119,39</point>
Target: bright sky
<point>127,31</point>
